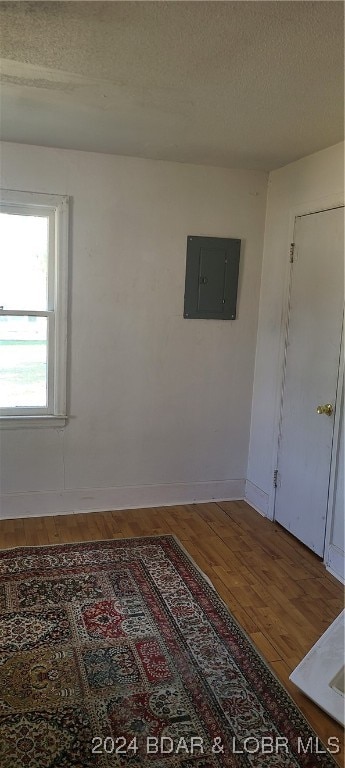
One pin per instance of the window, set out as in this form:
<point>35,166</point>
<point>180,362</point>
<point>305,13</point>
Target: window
<point>33,308</point>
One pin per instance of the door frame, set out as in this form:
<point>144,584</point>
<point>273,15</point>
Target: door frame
<point>317,205</point>
<point>335,447</point>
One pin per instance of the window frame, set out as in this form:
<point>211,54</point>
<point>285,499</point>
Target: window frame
<point>56,209</point>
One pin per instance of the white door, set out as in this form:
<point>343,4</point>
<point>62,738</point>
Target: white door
<point>311,374</point>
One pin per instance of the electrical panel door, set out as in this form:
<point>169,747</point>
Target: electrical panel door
<point>212,267</point>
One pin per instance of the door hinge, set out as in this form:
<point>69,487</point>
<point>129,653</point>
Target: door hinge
<point>275,478</point>
<point>292,252</point>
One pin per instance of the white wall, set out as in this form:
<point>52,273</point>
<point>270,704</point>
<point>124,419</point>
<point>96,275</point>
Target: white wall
<point>310,182</point>
<point>160,406</point>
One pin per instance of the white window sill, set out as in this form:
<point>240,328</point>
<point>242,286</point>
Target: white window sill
<point>20,422</point>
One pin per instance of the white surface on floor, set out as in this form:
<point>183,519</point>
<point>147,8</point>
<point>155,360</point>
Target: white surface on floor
<point>320,669</point>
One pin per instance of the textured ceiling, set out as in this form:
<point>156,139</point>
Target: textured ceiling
<point>237,84</point>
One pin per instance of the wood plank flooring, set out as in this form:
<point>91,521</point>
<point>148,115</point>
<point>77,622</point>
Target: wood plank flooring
<point>277,589</point>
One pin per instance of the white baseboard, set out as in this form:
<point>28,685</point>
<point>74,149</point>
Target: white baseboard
<point>335,562</point>
<point>42,503</point>
<point>256,498</point>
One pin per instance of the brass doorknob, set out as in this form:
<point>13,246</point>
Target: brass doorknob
<point>326,409</point>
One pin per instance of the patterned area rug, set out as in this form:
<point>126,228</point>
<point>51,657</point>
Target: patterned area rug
<point>120,653</point>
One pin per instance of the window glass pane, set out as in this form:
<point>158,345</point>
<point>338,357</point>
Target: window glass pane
<point>23,261</point>
<point>23,362</point>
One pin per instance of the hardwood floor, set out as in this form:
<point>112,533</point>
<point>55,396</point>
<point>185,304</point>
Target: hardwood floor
<point>277,589</point>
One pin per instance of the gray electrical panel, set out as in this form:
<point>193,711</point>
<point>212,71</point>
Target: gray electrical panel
<point>212,267</point>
